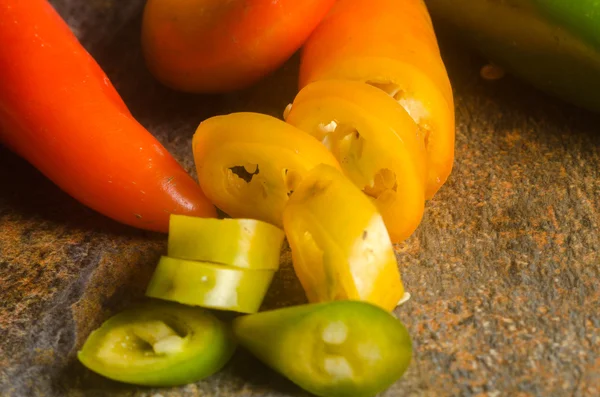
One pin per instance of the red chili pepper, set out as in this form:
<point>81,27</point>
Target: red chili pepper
<point>60,112</point>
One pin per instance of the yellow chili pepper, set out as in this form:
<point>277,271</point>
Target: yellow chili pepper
<point>340,246</point>
<point>390,44</point>
<point>378,145</point>
<point>250,163</point>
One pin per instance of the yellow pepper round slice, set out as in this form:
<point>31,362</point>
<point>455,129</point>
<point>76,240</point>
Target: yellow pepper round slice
<point>391,45</point>
<point>209,285</point>
<point>250,163</point>
<point>376,142</point>
<point>341,249</point>
<point>244,243</point>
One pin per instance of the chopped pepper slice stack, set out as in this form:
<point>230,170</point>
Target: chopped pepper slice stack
<point>159,344</point>
<point>377,144</point>
<point>336,349</point>
<point>224,264</point>
<point>340,247</point>
<point>243,243</point>
<point>250,163</point>
<point>391,45</point>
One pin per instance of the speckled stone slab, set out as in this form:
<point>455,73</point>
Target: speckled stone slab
<point>504,270</point>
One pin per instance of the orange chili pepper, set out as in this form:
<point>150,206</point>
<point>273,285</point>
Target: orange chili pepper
<point>59,111</point>
<point>219,46</point>
<point>390,44</point>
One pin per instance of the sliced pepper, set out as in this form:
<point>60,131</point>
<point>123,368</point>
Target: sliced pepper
<point>250,163</point>
<point>336,349</point>
<point>159,344</point>
<point>209,285</point>
<point>244,243</point>
<point>340,247</point>
<point>375,141</point>
<point>391,45</point>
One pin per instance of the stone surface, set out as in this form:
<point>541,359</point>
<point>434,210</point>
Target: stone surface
<point>503,270</point>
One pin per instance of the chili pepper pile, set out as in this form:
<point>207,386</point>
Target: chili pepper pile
<point>345,175</point>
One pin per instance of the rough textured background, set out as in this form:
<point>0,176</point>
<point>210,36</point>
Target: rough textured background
<point>503,271</point>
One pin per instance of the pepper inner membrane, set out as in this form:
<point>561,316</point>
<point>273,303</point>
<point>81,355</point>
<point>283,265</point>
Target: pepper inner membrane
<point>336,354</point>
<point>413,107</point>
<point>383,181</point>
<point>145,339</point>
<point>348,146</point>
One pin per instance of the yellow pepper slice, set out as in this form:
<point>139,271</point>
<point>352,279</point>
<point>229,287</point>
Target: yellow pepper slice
<point>244,243</point>
<point>340,247</point>
<point>209,285</point>
<point>250,163</point>
<point>391,45</point>
<point>378,145</point>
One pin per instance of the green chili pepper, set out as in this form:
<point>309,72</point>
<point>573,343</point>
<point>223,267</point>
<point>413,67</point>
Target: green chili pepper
<point>335,349</point>
<point>209,285</point>
<point>244,243</point>
<point>553,44</point>
<point>159,344</point>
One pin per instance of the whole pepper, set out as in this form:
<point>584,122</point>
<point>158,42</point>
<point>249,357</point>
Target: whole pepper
<point>552,44</point>
<point>213,46</point>
<point>390,44</point>
<point>59,111</point>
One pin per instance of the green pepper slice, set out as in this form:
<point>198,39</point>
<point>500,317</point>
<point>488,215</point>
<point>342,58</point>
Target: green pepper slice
<point>244,243</point>
<point>209,285</point>
<point>335,349</point>
<point>158,344</point>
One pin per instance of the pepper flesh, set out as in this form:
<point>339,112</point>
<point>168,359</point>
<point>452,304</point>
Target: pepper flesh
<point>336,349</point>
<point>375,141</point>
<point>248,163</point>
<point>158,344</point>
<point>209,285</point>
<point>391,45</point>
<point>59,111</point>
<point>340,247</point>
<point>243,243</point>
